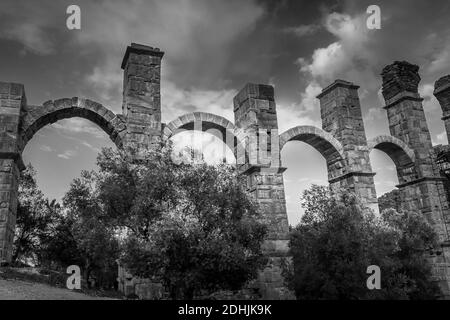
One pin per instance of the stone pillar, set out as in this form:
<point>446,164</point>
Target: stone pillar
<point>255,113</point>
<point>141,97</point>
<point>341,115</point>
<point>424,190</point>
<point>408,123</point>
<point>12,99</point>
<point>442,93</point>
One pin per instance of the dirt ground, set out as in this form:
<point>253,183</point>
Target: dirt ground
<point>22,290</point>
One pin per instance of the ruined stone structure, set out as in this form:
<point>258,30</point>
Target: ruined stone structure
<point>256,143</point>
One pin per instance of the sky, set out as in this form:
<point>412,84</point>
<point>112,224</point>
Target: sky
<point>212,48</point>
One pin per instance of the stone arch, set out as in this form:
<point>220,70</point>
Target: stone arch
<point>232,136</point>
<point>397,150</point>
<point>36,117</point>
<point>330,148</point>
<point>322,141</point>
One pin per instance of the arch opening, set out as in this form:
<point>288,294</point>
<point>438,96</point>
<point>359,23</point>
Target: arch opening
<point>37,117</point>
<point>401,155</point>
<point>305,166</point>
<point>60,151</point>
<point>330,148</point>
<point>386,178</point>
<point>394,163</point>
<point>219,127</point>
<point>201,146</point>
<point>314,144</point>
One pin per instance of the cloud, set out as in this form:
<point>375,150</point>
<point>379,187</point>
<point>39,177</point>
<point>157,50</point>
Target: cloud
<point>90,146</point>
<point>385,183</point>
<point>303,30</point>
<point>441,59</point>
<point>68,154</point>
<point>197,37</point>
<point>347,58</point>
<point>430,103</point>
<point>177,101</point>
<point>29,23</point>
<point>214,151</point>
<point>305,112</point>
<point>292,115</point>
<point>374,114</point>
<point>106,80</point>
<point>310,181</point>
<point>46,148</point>
<point>79,125</point>
<point>33,37</point>
<point>441,138</point>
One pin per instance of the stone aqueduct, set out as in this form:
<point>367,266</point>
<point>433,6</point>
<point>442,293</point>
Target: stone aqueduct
<point>341,141</point>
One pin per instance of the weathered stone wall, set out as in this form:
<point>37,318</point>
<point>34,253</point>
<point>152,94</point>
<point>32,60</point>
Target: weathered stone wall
<point>442,263</point>
<point>12,99</point>
<point>442,93</point>
<point>424,189</point>
<point>141,96</point>
<point>255,113</point>
<point>341,115</point>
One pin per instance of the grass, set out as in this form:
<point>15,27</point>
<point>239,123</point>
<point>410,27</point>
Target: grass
<point>54,279</point>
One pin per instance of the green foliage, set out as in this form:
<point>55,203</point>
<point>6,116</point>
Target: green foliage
<point>83,238</point>
<point>390,200</point>
<point>58,237</point>
<point>193,227</point>
<point>36,217</point>
<point>337,240</point>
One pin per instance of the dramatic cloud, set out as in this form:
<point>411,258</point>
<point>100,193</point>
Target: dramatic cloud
<point>177,101</point>
<point>67,154</point>
<point>29,23</point>
<point>197,37</point>
<point>347,58</point>
<point>79,125</point>
<point>46,148</point>
<point>303,30</point>
<point>441,138</point>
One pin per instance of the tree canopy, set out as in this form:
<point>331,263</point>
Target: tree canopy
<point>191,226</point>
<point>337,239</point>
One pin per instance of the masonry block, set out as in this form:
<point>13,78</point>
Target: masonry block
<point>422,188</point>
<point>12,101</point>
<point>442,94</point>
<point>341,115</point>
<point>255,113</point>
<point>141,96</point>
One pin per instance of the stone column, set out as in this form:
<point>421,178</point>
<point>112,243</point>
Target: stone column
<point>442,93</point>
<point>141,97</point>
<point>341,115</point>
<point>12,100</point>
<point>255,113</point>
<point>408,123</point>
<point>424,188</point>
